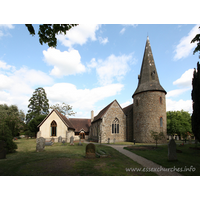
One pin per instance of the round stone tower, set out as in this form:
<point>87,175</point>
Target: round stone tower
<point>149,104</point>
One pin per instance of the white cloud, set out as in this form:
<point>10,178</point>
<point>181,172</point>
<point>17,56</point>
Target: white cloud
<point>17,86</point>
<point>185,80</point>
<point>179,105</point>
<point>122,31</point>
<point>125,104</point>
<point>79,35</point>
<point>177,92</point>
<point>10,26</point>
<point>113,68</point>
<point>83,99</point>
<point>103,40</point>
<point>4,66</point>
<point>185,47</point>
<point>65,63</point>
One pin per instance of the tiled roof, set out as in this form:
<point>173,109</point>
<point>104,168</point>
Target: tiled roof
<point>148,78</point>
<point>102,112</point>
<point>80,124</point>
<point>127,109</point>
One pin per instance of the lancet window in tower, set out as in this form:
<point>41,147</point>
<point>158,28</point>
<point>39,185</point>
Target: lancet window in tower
<point>53,128</point>
<point>160,100</point>
<point>161,122</point>
<point>115,126</point>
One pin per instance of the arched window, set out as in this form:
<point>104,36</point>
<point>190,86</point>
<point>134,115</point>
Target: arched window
<point>115,126</point>
<point>161,122</point>
<point>53,128</point>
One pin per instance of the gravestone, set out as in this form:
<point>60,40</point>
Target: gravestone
<point>172,150</point>
<point>63,142</point>
<point>40,144</point>
<point>90,151</point>
<point>108,140</point>
<point>177,137</point>
<point>59,139</point>
<point>114,140</point>
<point>48,143</point>
<point>80,144</point>
<point>71,140</point>
<point>2,149</point>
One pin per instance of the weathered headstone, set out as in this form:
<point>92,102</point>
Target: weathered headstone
<point>60,139</point>
<point>114,140</point>
<point>108,140</point>
<point>80,144</point>
<point>40,144</point>
<point>90,151</point>
<point>2,149</point>
<point>71,140</point>
<point>177,137</point>
<point>63,142</point>
<point>172,150</point>
<point>48,143</point>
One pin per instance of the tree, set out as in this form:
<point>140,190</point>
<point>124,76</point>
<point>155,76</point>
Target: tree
<point>32,125</point>
<point>47,32</point>
<point>196,103</point>
<point>157,136</point>
<point>196,39</point>
<point>178,122</point>
<point>11,125</point>
<point>38,104</point>
<point>64,109</point>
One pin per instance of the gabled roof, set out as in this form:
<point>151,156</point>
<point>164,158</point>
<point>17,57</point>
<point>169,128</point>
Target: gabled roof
<point>80,124</point>
<point>148,78</point>
<point>127,109</point>
<point>104,110</point>
<point>62,117</point>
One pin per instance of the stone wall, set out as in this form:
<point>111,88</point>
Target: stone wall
<point>113,112</point>
<point>146,115</point>
<point>129,126</point>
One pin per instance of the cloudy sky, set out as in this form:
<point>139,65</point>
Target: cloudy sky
<point>95,64</point>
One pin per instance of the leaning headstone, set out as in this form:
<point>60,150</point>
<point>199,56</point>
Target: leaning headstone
<point>2,149</point>
<point>40,144</point>
<point>172,150</point>
<point>108,140</point>
<point>90,151</point>
<point>60,139</point>
<point>71,140</point>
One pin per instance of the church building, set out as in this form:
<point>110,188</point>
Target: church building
<point>115,124</point>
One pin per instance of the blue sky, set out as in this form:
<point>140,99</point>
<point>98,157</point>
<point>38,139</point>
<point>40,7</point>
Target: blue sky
<point>95,64</point>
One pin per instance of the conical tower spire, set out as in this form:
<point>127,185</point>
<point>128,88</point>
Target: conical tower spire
<point>148,78</point>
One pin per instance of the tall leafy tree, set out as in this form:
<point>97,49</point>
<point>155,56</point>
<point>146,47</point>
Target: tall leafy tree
<point>38,104</point>
<point>11,124</point>
<point>47,32</point>
<point>178,122</point>
<point>196,39</point>
<point>196,102</point>
<point>64,109</point>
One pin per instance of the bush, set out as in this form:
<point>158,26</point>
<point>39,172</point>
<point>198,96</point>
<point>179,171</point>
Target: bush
<point>6,135</point>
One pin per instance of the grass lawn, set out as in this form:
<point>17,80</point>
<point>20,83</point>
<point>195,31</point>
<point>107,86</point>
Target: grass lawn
<point>59,160</point>
<point>188,158</point>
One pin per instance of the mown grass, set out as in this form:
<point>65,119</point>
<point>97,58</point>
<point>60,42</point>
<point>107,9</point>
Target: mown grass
<point>188,161</point>
<point>59,160</point>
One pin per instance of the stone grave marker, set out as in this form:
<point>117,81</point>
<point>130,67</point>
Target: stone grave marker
<point>90,151</point>
<point>71,140</point>
<point>64,142</point>
<point>108,140</point>
<point>2,149</point>
<point>114,140</point>
<point>60,139</point>
<point>40,144</point>
<point>80,144</point>
<point>48,143</point>
<point>172,150</point>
